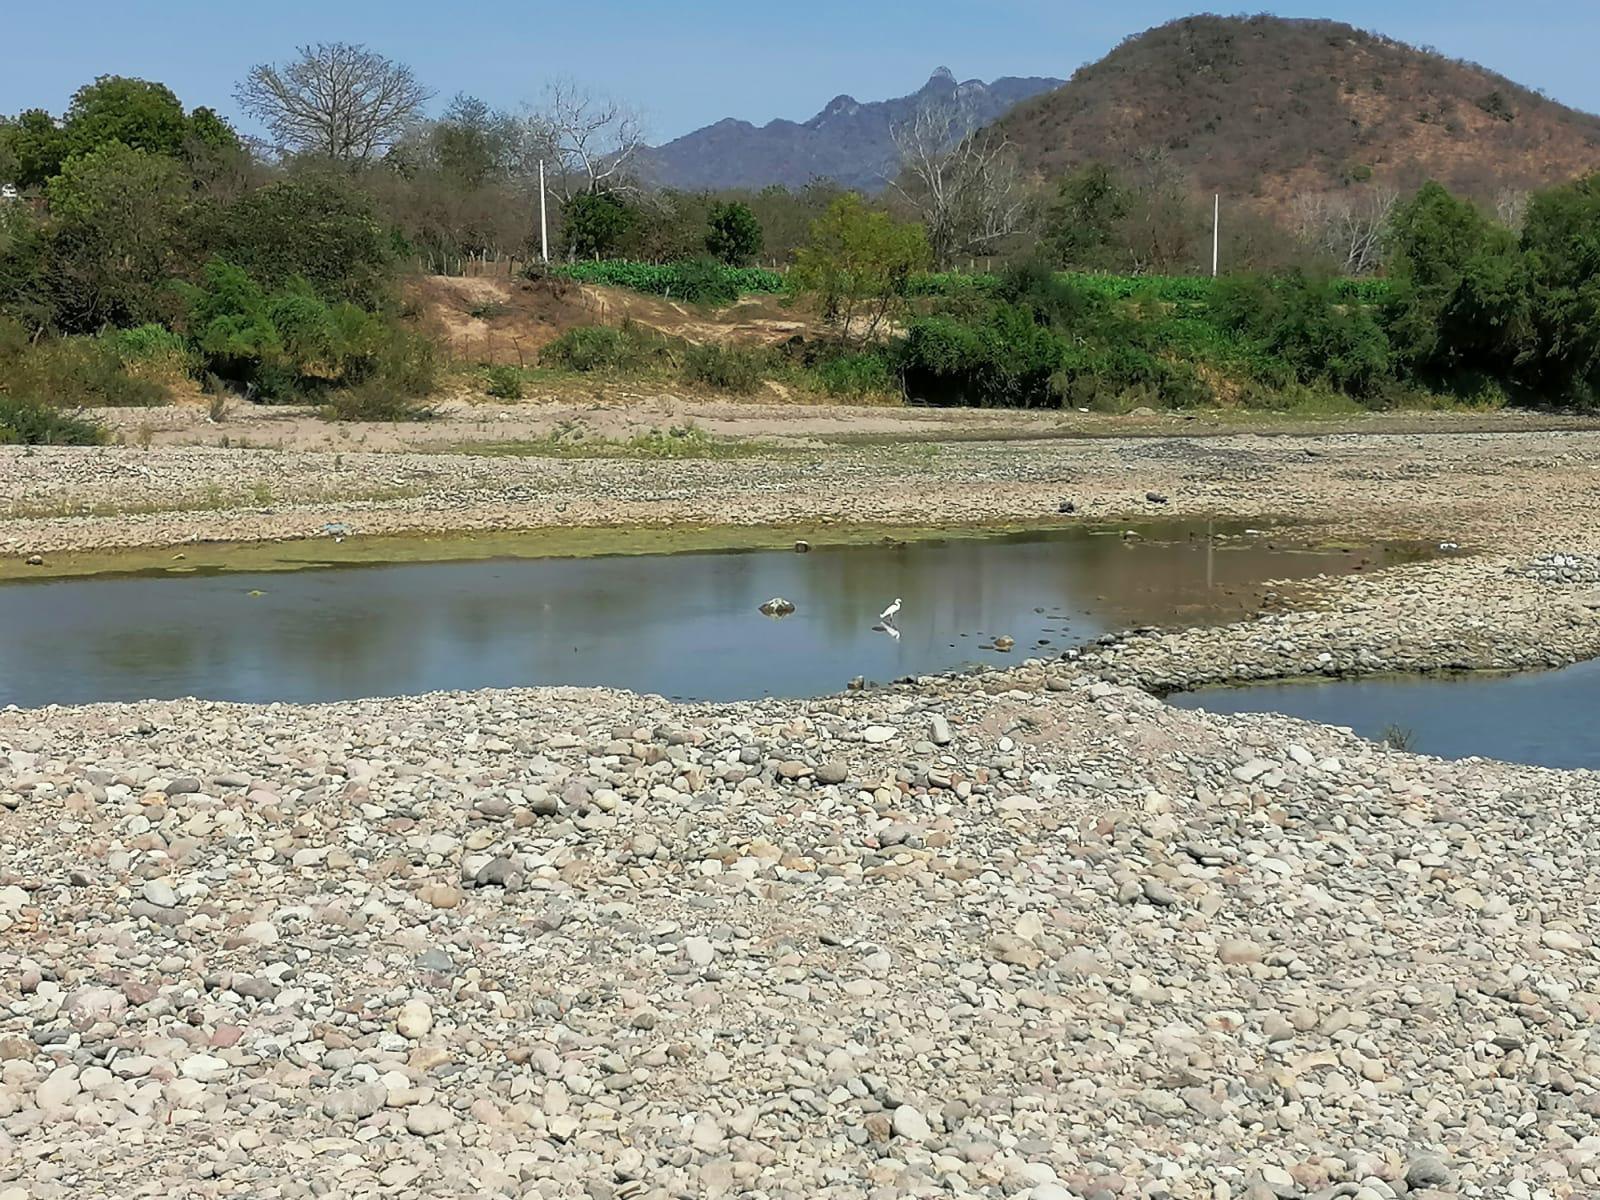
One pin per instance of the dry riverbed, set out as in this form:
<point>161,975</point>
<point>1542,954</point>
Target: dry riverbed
<point>1027,934</point>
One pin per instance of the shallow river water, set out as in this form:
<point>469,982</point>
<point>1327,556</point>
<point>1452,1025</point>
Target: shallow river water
<point>1547,718</point>
<point>683,625</point>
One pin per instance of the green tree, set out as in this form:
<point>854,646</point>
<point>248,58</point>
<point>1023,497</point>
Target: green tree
<point>1561,247</point>
<point>1081,225</point>
<point>1458,309</point>
<point>117,216</point>
<point>25,294</point>
<point>668,226</point>
<point>593,224</point>
<point>471,144</point>
<point>139,114</point>
<point>858,264</point>
<point>10,165</point>
<point>36,145</point>
<point>733,234</point>
<point>319,227</point>
<point>1300,322</point>
<point>210,137</point>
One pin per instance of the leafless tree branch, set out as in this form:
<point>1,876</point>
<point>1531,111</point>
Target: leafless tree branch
<point>1347,228</point>
<point>588,141</point>
<point>962,182</point>
<point>336,100</point>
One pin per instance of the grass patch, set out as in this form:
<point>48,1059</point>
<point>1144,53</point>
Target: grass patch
<point>626,348</point>
<point>375,400</point>
<point>28,422</point>
<point>212,498</point>
<point>678,442</point>
<point>737,369</point>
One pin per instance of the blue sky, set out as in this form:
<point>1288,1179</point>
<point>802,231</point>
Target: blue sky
<point>687,65</point>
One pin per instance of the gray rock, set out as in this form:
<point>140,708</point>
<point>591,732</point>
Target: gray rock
<point>159,893</point>
<point>909,1123</point>
<point>833,771</point>
<point>502,872</point>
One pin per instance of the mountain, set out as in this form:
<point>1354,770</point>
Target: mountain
<point>1273,108</point>
<point>848,141</point>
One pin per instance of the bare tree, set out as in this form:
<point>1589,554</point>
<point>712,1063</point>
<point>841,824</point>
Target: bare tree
<point>588,141</point>
<point>1163,230</point>
<point>337,100</point>
<point>963,183</point>
<point>1347,228</point>
<point>1511,207</point>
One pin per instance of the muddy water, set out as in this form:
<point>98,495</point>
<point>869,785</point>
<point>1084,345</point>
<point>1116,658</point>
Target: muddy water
<point>683,625</point>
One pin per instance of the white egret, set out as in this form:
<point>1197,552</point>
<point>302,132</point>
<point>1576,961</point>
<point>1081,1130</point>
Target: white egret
<point>888,613</point>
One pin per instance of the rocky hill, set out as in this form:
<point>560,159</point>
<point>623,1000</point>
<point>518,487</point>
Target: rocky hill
<point>848,141</point>
<point>1268,107</point>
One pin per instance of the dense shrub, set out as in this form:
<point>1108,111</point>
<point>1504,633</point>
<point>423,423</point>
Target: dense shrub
<point>503,383</point>
<point>594,224</point>
<point>151,352</point>
<point>726,368</point>
<point>733,234</point>
<point>1305,332</point>
<point>697,281</point>
<point>28,421</point>
<point>1005,360</point>
<point>291,344</point>
<point>74,371</point>
<point>319,228</point>
<point>374,400</point>
<point>856,376</point>
<point>625,347</point>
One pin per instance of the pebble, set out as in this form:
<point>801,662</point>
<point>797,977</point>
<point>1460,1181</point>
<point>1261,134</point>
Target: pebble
<point>1072,953</point>
<point>415,1020</point>
<point>909,1123</point>
<point>159,892</point>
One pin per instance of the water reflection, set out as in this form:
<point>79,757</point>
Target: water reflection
<point>682,625</point>
<point>1542,717</point>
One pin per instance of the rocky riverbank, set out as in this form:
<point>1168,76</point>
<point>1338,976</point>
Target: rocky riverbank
<point>1477,614</point>
<point>1023,934</point>
<point>1026,934</point>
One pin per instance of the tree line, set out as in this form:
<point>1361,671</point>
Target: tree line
<point>268,267</point>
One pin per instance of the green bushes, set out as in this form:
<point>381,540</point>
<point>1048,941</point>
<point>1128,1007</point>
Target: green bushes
<point>27,421</point>
<point>857,376</point>
<point>692,280</point>
<point>76,371</point>
<point>319,229</point>
<point>733,234</point>
<point>42,386</point>
<point>626,347</point>
<point>290,344</point>
<point>1304,333</point>
<point>1006,360</point>
<point>725,368</point>
<point>503,383</point>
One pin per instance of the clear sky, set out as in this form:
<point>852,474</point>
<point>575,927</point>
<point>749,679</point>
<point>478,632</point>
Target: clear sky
<point>686,65</point>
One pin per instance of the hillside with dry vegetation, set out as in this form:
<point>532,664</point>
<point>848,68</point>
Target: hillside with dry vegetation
<point>1273,108</point>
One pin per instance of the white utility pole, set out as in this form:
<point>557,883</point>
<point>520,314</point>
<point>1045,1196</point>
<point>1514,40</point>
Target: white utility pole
<point>1216,224</point>
<point>544,226</point>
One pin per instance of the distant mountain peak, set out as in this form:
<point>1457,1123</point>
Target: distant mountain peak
<point>1267,109</point>
<point>842,105</point>
<point>848,140</point>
